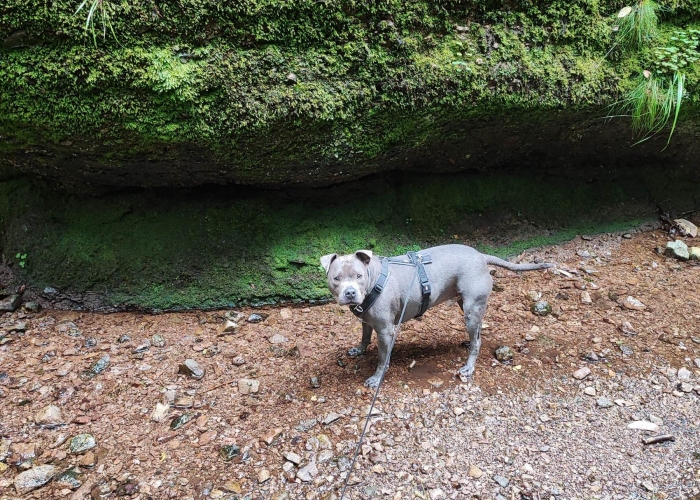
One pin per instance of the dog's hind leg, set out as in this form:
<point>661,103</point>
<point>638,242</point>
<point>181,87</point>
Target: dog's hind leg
<point>366,339</point>
<point>474,311</point>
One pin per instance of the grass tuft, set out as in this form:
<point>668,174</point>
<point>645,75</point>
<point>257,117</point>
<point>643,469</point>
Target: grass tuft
<point>101,9</point>
<point>636,25</point>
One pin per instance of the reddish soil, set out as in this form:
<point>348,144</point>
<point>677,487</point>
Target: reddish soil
<point>44,366</point>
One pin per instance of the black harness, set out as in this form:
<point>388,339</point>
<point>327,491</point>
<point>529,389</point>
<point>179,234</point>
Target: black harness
<point>410,259</point>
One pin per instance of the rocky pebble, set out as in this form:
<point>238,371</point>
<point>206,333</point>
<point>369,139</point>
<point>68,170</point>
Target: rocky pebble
<point>248,386</point>
<point>677,249</point>
<point>582,373</point>
<point>11,303</point>
<point>504,353</point>
<point>49,416</point>
<point>686,228</point>
<point>643,425</point>
<point>82,443</point>
<point>34,478</point>
<point>541,308</point>
<point>192,369</point>
<point>158,341</point>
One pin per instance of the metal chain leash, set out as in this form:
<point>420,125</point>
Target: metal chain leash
<point>376,392</point>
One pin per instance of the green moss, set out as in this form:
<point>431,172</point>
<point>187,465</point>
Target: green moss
<point>214,247</point>
<point>370,79</point>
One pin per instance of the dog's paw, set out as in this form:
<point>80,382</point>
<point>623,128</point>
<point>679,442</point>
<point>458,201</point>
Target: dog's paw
<point>356,351</point>
<point>373,382</point>
<point>466,373</point>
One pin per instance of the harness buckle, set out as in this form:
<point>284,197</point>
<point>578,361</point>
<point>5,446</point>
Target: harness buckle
<point>378,288</point>
<point>358,308</point>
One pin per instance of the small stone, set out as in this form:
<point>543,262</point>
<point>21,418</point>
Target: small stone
<point>207,437</point>
<point>533,295</point>
<point>458,411</point>
<point>626,350</point>
<point>330,418</point>
<point>649,486</point>
<point>34,478</point>
<point>504,353</point>
<point>49,416</point>
<point>158,341</point>
<point>229,452</point>
<point>502,481</point>
<point>686,228</point>
<point>686,387</point>
<point>192,369</point>
<point>589,391</point>
<point>684,374</point>
<point>32,307</point>
<point>627,328</point>
<point>256,318</point>
<point>286,313</point>
<point>541,308</point>
<point>269,437</point>
<point>604,402</point>
<point>238,360</point>
<point>248,386</point>
<point>88,460</point>
<point>127,489</point>
<point>229,327</point>
<point>315,382</point>
<point>232,487</point>
<point>180,420</point>
<point>82,443</point>
<point>306,425</point>
<point>69,478</point>
<point>597,340</point>
<point>308,472</point>
<point>325,456</point>
<point>159,413</point>
<point>474,472</point>
<point>436,494</point>
<point>677,249</point>
<point>586,298</point>
<point>278,338</point>
<point>292,457</point>
<point>263,476</point>
<point>22,455</point>
<point>591,356</point>
<point>633,304</point>
<point>582,373</point>
<point>378,469</point>
<point>643,425</point>
<point>97,367</point>
<point>292,78</point>
<point>694,253</point>
<point>544,418</point>
<point>11,303</point>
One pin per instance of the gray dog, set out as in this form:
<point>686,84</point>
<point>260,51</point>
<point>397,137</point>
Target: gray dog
<point>454,270</point>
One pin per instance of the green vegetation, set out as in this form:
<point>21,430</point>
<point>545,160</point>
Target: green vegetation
<point>277,90</point>
<point>637,26</point>
<point>659,93</point>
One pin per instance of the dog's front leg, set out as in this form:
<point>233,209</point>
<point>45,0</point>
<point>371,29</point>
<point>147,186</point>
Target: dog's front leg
<point>366,338</point>
<point>385,336</point>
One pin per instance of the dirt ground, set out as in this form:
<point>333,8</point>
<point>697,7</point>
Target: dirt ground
<point>524,429</point>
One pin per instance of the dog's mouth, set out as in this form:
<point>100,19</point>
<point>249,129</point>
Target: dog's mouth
<point>346,302</point>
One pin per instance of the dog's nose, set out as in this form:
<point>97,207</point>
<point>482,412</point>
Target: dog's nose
<point>350,294</point>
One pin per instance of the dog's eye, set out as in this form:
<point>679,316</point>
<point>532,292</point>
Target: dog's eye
<point>337,278</point>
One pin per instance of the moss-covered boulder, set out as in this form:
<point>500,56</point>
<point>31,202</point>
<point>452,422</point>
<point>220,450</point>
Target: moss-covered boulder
<point>272,92</point>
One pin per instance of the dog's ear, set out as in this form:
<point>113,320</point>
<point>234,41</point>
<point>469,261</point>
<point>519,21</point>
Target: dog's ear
<point>327,260</point>
<point>364,255</point>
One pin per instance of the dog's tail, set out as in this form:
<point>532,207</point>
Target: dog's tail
<point>490,259</point>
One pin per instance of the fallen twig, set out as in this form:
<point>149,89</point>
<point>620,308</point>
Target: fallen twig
<point>658,439</point>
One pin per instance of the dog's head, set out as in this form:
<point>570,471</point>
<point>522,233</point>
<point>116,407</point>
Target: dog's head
<point>348,276</point>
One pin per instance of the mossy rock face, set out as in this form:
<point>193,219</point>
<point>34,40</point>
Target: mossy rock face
<point>230,246</point>
<point>313,93</point>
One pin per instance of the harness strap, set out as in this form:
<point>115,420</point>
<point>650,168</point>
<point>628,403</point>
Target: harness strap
<point>425,288</point>
<point>372,296</point>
